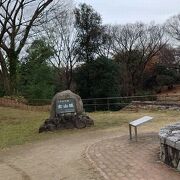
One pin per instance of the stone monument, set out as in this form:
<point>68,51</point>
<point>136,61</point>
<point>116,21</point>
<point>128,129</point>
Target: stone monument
<point>66,113</point>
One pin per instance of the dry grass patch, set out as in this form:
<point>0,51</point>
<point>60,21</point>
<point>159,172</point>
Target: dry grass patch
<point>20,126</point>
<point>161,118</point>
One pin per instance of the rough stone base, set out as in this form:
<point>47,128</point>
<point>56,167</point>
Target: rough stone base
<point>66,122</point>
<point>170,156</point>
<point>170,145</point>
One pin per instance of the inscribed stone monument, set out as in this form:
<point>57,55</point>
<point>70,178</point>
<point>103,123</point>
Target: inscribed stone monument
<point>66,112</point>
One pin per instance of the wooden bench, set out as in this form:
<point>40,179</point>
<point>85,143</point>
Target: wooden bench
<point>136,123</point>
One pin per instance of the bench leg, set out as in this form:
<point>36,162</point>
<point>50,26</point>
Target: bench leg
<point>135,128</point>
<point>130,132</point>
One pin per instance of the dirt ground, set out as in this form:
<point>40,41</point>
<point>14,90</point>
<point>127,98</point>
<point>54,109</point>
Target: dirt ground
<point>61,158</point>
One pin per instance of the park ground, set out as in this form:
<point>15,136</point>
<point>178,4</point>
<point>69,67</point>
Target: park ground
<point>27,155</point>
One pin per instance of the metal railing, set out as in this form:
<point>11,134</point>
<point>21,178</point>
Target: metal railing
<point>113,103</point>
<point>91,104</point>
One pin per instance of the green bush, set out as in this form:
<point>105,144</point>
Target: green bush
<point>98,78</point>
<point>165,80</point>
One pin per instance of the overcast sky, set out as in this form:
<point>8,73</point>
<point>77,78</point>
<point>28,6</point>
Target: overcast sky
<point>130,11</point>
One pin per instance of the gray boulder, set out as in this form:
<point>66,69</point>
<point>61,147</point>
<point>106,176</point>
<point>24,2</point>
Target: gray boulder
<point>66,95</point>
<point>78,119</point>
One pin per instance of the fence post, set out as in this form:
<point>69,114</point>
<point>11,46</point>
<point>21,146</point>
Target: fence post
<point>108,104</point>
<point>95,105</point>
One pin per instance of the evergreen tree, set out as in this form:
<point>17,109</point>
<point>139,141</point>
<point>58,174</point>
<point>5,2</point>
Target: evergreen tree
<point>102,81</point>
<point>36,75</point>
<point>89,28</point>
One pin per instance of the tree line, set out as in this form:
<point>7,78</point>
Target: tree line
<point>56,46</point>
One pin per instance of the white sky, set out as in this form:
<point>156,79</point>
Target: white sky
<point>130,11</point>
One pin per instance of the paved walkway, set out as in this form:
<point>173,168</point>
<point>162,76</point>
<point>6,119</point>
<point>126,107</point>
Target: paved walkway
<point>120,159</point>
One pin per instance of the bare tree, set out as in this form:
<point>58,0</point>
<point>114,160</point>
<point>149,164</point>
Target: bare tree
<point>61,35</point>
<point>105,49</point>
<point>134,46</point>
<point>16,20</point>
<point>167,57</point>
<point>4,73</point>
<point>173,27</point>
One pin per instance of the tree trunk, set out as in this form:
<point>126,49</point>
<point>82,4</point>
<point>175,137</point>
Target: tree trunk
<point>69,79</point>
<point>6,84</point>
<point>13,60</point>
<point>5,75</point>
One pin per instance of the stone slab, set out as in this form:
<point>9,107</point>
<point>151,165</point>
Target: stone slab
<point>141,121</point>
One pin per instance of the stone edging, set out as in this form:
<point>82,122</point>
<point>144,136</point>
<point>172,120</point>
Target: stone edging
<point>170,145</point>
<point>153,105</point>
<point>102,173</point>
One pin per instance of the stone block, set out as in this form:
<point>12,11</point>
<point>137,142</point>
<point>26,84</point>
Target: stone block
<point>162,140</point>
<point>178,168</point>
<point>162,153</point>
<point>170,145</point>
<point>174,163</point>
<point>171,141</point>
<point>176,132</point>
<point>177,145</point>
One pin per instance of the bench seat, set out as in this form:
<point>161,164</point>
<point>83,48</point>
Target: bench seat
<point>136,123</point>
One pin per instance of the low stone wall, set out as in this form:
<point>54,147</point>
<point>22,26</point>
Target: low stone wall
<point>14,103</point>
<point>170,145</point>
<point>153,105</point>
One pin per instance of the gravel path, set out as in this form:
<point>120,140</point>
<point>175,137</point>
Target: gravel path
<point>91,155</point>
<point>61,158</point>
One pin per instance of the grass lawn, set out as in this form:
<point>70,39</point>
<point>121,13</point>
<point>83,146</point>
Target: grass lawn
<point>20,126</point>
